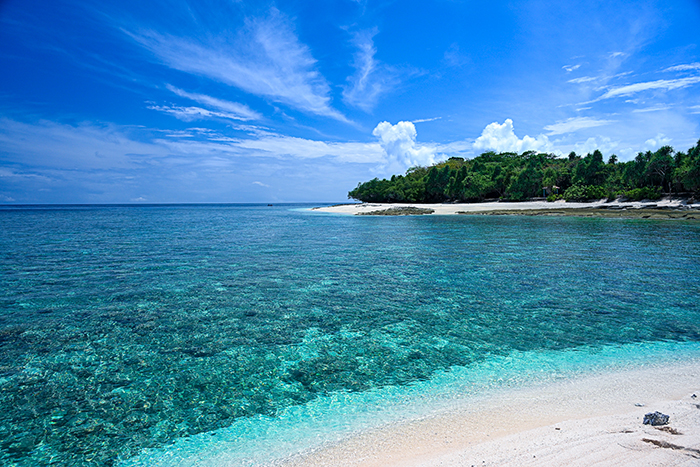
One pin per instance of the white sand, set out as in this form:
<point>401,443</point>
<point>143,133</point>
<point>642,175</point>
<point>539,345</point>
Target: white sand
<point>590,421</point>
<point>452,208</point>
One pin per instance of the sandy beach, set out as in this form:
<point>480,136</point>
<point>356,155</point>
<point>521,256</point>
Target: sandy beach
<point>664,208</point>
<point>594,420</point>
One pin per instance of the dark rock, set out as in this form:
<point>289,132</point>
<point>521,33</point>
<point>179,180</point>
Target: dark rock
<point>655,419</point>
<point>398,211</point>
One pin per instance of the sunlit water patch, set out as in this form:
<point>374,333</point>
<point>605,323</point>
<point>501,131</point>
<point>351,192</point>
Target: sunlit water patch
<point>133,333</point>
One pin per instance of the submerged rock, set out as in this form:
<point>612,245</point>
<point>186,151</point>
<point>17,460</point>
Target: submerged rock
<point>655,419</point>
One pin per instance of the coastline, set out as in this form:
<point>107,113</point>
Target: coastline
<point>667,208</point>
<point>589,420</point>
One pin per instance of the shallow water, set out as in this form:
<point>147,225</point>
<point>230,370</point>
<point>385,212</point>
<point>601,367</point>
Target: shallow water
<point>126,329</point>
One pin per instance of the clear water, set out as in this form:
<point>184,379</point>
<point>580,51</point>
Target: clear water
<point>182,335</point>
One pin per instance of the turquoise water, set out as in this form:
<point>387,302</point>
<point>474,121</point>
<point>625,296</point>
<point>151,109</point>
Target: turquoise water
<point>182,334</point>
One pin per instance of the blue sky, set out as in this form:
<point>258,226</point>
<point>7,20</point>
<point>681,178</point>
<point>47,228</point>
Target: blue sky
<point>286,101</point>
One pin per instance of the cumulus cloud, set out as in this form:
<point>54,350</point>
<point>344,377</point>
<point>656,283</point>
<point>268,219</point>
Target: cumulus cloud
<point>502,138</point>
<point>655,143</point>
<point>605,145</point>
<point>399,145</point>
<point>574,124</point>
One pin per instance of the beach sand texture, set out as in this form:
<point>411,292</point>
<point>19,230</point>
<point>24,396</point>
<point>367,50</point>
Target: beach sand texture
<point>588,421</point>
<point>656,209</point>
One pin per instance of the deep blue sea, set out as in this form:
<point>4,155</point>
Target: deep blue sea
<point>166,335</point>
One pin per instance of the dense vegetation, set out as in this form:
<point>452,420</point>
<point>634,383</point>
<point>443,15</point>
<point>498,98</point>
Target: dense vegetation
<point>516,177</point>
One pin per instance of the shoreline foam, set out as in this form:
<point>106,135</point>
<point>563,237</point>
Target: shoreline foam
<point>591,420</point>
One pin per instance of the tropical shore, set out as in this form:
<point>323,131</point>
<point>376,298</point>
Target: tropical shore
<point>593,420</point>
<point>667,208</point>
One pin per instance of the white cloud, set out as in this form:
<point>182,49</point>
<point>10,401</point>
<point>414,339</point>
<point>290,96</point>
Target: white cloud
<point>570,68</point>
<point>502,138</point>
<point>265,59</point>
<point>399,145</point>
<point>274,145</point>
<point>76,147</point>
<point>233,109</point>
<point>665,84</point>
<point>605,145</point>
<point>189,114</point>
<point>655,108</point>
<point>685,67</point>
<point>371,79</point>
<point>52,145</point>
<point>574,124</point>
<point>423,120</point>
<point>583,79</point>
<point>655,143</point>
<point>261,184</point>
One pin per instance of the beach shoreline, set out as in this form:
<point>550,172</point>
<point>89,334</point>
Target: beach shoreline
<point>588,420</point>
<point>667,208</point>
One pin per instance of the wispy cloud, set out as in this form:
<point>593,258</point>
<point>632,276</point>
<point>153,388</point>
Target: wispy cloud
<point>663,84</point>
<point>233,109</point>
<point>570,68</point>
<point>265,58</point>
<point>188,114</point>
<point>454,57</point>
<point>686,67</point>
<point>112,147</point>
<point>574,124</point>
<point>583,79</point>
<point>423,120</point>
<point>371,78</point>
<point>655,108</point>
<point>85,146</point>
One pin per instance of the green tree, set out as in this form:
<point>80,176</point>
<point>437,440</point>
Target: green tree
<point>659,169</point>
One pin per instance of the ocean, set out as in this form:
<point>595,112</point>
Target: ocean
<point>202,334</point>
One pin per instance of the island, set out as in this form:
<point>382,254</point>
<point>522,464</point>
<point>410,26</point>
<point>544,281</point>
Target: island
<point>654,185</point>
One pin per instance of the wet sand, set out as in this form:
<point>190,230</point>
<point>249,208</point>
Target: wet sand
<point>594,420</point>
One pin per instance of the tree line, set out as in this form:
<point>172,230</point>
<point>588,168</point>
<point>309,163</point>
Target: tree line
<point>517,177</point>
